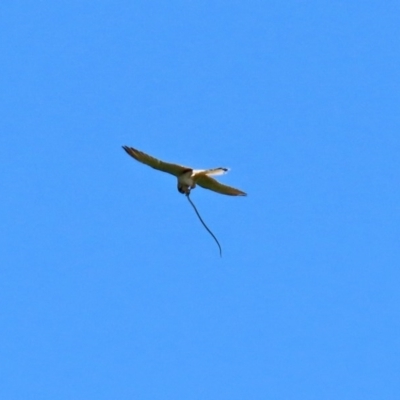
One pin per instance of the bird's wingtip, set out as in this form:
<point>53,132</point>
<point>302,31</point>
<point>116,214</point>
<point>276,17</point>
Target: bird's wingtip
<point>128,149</point>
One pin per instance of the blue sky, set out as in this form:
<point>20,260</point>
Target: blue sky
<point>110,288</point>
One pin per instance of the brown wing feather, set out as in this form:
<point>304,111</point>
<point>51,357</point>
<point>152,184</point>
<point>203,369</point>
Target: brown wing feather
<point>210,183</point>
<point>144,158</point>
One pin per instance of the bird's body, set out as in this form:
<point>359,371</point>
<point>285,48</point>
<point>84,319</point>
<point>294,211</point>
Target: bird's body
<point>186,181</point>
<point>188,177</point>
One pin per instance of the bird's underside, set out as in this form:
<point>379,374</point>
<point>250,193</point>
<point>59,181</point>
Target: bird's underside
<point>188,177</point>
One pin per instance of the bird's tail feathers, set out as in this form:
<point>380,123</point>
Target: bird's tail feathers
<point>211,172</point>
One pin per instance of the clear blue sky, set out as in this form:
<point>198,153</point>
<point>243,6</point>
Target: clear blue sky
<point>110,288</point>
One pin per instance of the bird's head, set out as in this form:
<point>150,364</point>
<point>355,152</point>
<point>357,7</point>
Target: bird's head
<point>184,189</point>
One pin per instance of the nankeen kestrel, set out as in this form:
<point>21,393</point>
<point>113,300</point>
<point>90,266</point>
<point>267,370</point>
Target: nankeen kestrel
<point>187,177</point>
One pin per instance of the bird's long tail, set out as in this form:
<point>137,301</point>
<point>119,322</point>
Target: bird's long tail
<point>211,172</point>
<point>205,226</point>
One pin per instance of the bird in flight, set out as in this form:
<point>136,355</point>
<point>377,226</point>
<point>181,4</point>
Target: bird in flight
<point>188,177</point>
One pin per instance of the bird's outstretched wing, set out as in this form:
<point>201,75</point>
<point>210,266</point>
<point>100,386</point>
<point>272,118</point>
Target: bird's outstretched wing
<point>144,158</point>
<point>210,183</point>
